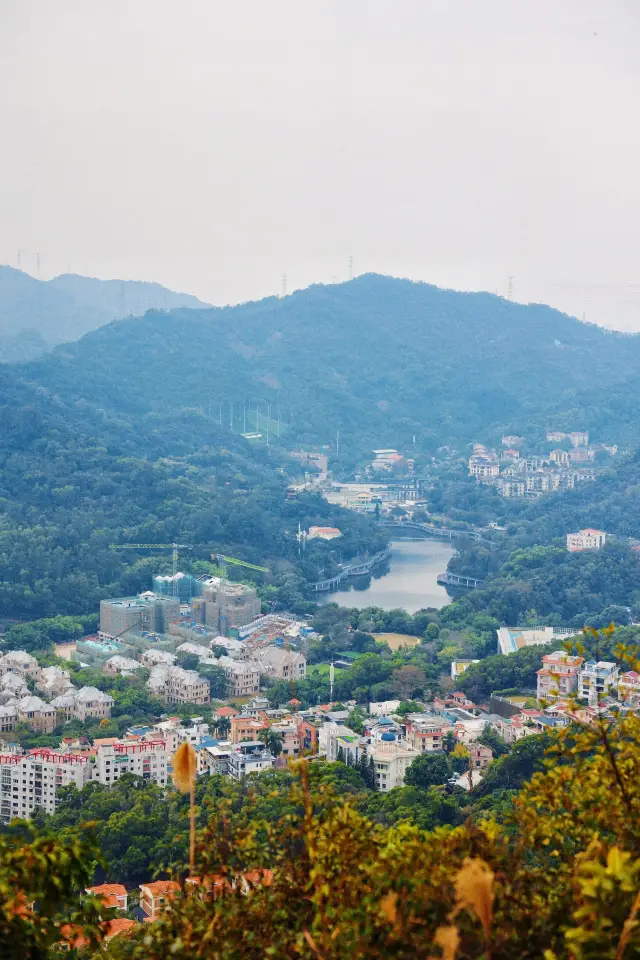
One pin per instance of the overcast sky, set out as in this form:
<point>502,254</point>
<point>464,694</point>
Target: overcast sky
<point>215,145</point>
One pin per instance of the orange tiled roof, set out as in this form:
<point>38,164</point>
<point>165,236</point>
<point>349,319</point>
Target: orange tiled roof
<point>111,928</point>
<point>159,887</point>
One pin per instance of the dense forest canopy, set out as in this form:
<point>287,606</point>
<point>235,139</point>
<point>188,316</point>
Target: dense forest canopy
<point>380,359</point>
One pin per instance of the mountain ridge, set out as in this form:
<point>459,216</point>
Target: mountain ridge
<point>378,358</point>
<point>37,314</point>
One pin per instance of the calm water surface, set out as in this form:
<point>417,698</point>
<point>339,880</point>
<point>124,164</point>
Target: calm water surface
<point>410,582</point>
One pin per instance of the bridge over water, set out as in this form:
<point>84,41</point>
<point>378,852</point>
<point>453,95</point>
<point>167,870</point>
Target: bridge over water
<point>352,570</point>
<point>432,531</point>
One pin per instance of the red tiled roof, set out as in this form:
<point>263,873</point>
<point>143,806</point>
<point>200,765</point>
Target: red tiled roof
<point>160,887</point>
<point>111,928</point>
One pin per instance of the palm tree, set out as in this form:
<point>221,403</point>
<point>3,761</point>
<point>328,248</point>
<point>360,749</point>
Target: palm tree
<point>222,727</point>
<point>272,740</point>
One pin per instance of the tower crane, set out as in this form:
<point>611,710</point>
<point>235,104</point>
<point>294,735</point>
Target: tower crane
<point>174,547</point>
<point>222,560</point>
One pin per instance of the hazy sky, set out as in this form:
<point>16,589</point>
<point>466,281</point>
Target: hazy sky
<point>215,146</point>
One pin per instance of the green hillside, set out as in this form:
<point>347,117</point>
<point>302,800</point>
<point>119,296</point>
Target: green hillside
<point>377,358</point>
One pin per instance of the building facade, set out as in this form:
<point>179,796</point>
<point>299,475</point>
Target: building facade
<point>587,539</point>
<point>144,758</point>
<point>148,612</point>
<point>34,780</point>
<point>558,676</point>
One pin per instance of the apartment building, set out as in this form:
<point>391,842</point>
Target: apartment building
<point>8,719</point>
<point>17,661</point>
<point>243,676</point>
<point>145,758</point>
<point>249,757</point>
<point>223,604</point>
<point>283,664</point>
<point>34,780</point>
<point>588,539</point>
<point>147,612</point>
<point>245,728</point>
<point>558,676</point>
<point>391,759</point>
<point>597,679</point>
<point>154,897</point>
<point>175,685</point>
<point>426,733</point>
<point>483,467</point>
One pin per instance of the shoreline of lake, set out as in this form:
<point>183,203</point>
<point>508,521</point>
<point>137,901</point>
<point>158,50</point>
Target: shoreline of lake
<point>408,581</point>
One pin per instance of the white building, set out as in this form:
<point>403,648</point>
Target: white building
<point>391,760</point>
<point>588,539</point>
<point>281,663</point>
<point>145,758</point>
<point>511,639</point>
<point>483,466</point>
<point>249,757</point>
<point>597,679</point>
<point>31,781</point>
<point>458,667</point>
<point>383,708</point>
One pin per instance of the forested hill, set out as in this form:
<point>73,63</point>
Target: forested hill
<point>35,314</point>
<point>378,358</point>
<point>74,480</point>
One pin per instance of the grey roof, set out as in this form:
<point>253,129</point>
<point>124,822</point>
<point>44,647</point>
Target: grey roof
<point>65,701</point>
<point>86,694</point>
<point>34,705</point>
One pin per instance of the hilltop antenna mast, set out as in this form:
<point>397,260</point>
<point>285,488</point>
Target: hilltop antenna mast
<point>284,285</point>
<point>350,268</point>
<point>19,258</point>
<point>510,289</point>
<point>38,262</point>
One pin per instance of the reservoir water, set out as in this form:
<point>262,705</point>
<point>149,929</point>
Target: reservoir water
<point>410,580</point>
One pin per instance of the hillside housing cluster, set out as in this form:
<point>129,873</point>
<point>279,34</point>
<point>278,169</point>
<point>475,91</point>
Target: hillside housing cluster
<point>516,475</point>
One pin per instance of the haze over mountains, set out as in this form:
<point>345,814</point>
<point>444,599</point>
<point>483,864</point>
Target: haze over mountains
<point>380,359</point>
<point>36,314</point>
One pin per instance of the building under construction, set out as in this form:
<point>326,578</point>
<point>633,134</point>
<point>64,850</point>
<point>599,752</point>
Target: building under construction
<point>223,604</point>
<point>147,613</point>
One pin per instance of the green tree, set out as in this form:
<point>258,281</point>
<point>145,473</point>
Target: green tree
<point>428,770</point>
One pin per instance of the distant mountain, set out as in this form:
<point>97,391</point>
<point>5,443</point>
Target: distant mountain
<point>379,359</point>
<point>36,314</point>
